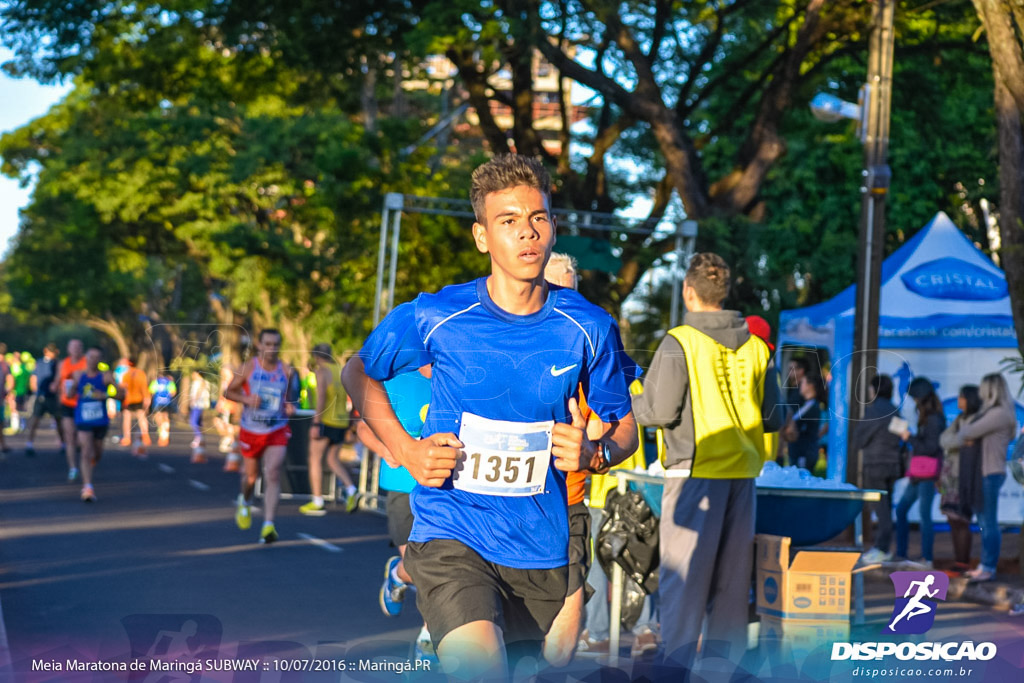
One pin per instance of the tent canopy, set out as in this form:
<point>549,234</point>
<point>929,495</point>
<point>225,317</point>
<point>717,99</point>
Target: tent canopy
<point>938,291</point>
<point>944,311</point>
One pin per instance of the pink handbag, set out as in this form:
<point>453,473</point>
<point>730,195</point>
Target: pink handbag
<point>923,467</point>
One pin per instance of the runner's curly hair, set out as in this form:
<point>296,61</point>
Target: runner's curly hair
<point>503,172</point>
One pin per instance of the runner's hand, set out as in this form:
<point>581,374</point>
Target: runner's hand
<point>289,409</point>
<point>252,400</point>
<point>389,457</point>
<point>430,461</point>
<point>570,446</point>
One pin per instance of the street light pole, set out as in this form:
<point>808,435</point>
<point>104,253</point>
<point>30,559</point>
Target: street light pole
<point>876,178</point>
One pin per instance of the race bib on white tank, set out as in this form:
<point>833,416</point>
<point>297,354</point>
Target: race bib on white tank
<point>270,400</point>
<point>502,458</point>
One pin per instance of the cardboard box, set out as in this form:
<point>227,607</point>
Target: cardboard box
<point>813,586</point>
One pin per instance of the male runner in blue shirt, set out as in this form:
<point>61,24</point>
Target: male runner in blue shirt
<point>488,548</point>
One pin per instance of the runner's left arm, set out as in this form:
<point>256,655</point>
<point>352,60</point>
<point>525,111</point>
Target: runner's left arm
<point>292,393</point>
<point>606,387</point>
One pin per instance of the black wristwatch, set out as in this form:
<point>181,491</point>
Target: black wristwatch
<point>605,464</point>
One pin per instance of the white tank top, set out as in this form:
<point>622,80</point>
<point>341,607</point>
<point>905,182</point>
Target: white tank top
<point>272,388</point>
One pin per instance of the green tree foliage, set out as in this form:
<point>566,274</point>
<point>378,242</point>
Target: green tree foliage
<point>155,196</point>
<point>255,139</point>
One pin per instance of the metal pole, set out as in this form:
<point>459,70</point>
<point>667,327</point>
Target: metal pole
<point>615,628</point>
<point>876,177</point>
<point>384,215</point>
<point>686,238</point>
<point>393,201</point>
<point>396,226</point>
<point>677,280</point>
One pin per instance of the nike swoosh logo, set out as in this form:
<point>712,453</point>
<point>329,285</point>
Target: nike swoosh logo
<point>556,372</point>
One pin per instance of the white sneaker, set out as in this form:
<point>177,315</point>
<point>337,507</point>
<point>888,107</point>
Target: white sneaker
<point>874,556</point>
<point>922,563</point>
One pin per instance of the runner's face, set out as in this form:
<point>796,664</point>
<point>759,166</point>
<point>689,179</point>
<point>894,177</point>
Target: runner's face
<point>92,359</point>
<point>519,232</point>
<point>75,348</point>
<point>270,346</point>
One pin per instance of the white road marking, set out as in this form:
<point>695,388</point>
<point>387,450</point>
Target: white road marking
<point>322,543</point>
<point>166,468</point>
<point>198,485</point>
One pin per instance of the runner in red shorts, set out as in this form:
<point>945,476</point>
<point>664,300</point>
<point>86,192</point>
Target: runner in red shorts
<point>264,388</point>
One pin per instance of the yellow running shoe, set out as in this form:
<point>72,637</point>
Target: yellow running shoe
<point>269,534</point>
<point>313,509</point>
<point>243,518</point>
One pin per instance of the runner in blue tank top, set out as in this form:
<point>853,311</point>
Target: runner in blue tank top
<point>89,386</point>
<point>488,549</point>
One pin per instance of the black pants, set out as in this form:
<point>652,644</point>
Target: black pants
<point>882,479</point>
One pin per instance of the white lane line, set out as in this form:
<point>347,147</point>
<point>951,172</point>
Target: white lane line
<point>321,543</point>
<point>166,468</point>
<point>198,485</point>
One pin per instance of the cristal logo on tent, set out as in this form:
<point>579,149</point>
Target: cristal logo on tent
<point>915,607</point>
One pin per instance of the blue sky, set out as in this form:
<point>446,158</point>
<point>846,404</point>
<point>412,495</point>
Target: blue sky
<point>21,100</point>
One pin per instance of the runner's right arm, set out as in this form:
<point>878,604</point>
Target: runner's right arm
<point>234,391</point>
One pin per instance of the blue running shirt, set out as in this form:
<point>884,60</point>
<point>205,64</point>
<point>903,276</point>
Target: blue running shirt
<point>502,366</point>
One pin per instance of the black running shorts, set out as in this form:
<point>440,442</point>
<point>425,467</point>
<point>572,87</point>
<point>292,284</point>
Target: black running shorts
<point>98,433</point>
<point>399,517</point>
<point>334,435</point>
<point>46,405</point>
<point>455,587</point>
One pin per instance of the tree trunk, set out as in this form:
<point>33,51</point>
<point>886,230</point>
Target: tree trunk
<point>1011,201</point>
<point>1007,51</point>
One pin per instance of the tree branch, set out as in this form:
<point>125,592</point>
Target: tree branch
<point>476,87</point>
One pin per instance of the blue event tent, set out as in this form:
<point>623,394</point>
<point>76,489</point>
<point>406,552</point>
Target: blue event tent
<point>945,315</point>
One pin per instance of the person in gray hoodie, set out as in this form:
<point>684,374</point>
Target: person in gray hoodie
<point>995,427</point>
<point>713,388</point>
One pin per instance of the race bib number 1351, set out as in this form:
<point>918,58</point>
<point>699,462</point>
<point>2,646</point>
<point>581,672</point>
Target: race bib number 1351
<point>502,458</point>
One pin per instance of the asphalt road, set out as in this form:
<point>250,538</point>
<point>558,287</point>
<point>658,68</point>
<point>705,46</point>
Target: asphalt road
<point>157,570</point>
<point>159,552</point>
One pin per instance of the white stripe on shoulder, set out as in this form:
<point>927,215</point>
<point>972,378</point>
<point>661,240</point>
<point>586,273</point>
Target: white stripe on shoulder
<point>457,313</point>
<point>590,341</point>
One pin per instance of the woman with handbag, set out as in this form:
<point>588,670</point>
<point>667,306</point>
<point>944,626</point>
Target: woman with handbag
<point>961,477</point>
<point>994,427</point>
<point>925,466</point>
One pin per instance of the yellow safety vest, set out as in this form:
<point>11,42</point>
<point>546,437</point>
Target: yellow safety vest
<point>726,393</point>
<point>335,401</point>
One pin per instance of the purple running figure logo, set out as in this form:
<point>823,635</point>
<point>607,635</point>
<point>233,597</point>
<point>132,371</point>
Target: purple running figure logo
<point>916,592</point>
